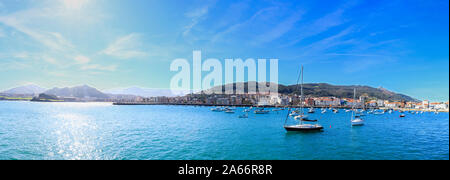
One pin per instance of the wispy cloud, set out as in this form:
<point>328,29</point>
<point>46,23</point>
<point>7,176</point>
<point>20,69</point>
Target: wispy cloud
<point>196,16</point>
<point>81,59</point>
<point>280,29</point>
<point>99,67</point>
<point>320,47</point>
<point>319,26</point>
<point>241,25</point>
<point>2,33</point>
<point>50,60</point>
<point>126,47</point>
<point>74,4</point>
<point>22,21</point>
<point>39,27</point>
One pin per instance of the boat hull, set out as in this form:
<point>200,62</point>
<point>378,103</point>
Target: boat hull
<point>300,129</point>
<point>357,124</point>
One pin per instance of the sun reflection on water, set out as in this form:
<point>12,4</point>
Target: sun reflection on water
<point>75,137</point>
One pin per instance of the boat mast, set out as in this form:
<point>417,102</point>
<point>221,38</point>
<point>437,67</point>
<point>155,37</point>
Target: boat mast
<point>296,89</point>
<point>301,99</point>
<point>354,102</point>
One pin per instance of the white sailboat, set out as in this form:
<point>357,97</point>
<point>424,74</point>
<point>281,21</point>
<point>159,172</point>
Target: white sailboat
<point>301,126</point>
<point>216,109</point>
<point>356,119</point>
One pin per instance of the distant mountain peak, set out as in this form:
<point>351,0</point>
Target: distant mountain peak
<point>83,91</point>
<point>25,89</point>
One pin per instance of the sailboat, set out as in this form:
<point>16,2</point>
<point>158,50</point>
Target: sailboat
<point>356,119</point>
<point>301,126</point>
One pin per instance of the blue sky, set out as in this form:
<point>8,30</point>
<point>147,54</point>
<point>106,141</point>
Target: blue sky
<point>399,45</point>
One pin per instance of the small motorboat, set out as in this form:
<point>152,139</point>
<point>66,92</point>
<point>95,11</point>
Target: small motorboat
<point>229,111</point>
<point>295,113</point>
<point>378,113</point>
<point>357,121</point>
<point>261,111</point>
<point>402,115</point>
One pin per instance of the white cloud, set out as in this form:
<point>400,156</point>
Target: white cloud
<point>50,60</point>
<point>258,16</point>
<point>21,55</point>
<point>126,47</point>
<point>280,29</point>
<point>24,22</point>
<point>74,4</point>
<point>2,33</point>
<point>195,16</point>
<point>99,67</point>
<point>82,59</point>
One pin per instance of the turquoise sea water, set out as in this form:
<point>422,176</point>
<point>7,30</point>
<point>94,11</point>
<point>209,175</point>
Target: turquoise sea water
<point>30,130</point>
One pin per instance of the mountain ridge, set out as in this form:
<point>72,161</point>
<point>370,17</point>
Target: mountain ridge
<point>78,92</point>
<point>329,90</point>
<point>26,89</point>
<point>310,89</point>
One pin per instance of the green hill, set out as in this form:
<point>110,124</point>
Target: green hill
<point>328,90</point>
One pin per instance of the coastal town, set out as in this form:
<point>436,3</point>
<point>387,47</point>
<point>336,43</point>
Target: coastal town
<point>280,100</point>
<point>362,100</point>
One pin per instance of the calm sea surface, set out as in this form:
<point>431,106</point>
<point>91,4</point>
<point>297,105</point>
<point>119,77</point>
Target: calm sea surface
<point>31,130</point>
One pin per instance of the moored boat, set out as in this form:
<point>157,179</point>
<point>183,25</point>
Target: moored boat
<point>261,111</point>
<point>301,126</point>
<point>356,119</point>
